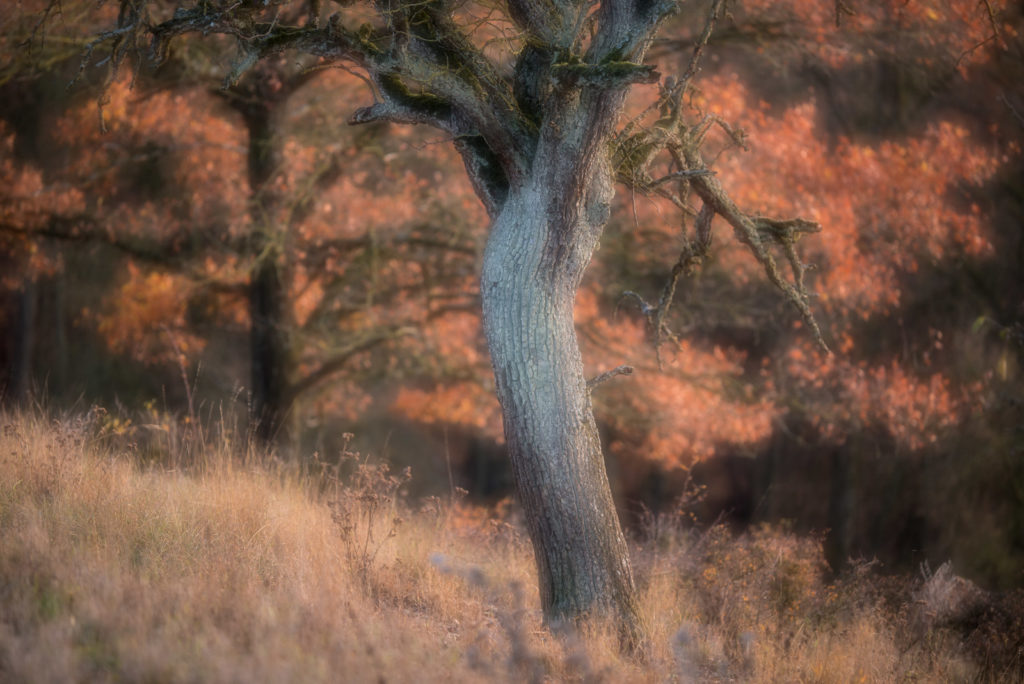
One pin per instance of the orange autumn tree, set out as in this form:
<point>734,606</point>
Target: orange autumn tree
<point>914,189</point>
<point>171,186</point>
<point>25,205</point>
<point>27,198</point>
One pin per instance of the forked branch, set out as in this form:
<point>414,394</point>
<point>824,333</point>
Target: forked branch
<point>634,152</point>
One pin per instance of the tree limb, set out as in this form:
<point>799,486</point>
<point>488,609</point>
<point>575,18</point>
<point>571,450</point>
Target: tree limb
<point>337,361</point>
<point>85,228</point>
<point>608,375</point>
<point>756,233</point>
<point>636,148</point>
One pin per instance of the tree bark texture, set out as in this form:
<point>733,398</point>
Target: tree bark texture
<point>540,244</point>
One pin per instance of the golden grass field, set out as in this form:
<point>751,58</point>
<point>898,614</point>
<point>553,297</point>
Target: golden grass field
<point>121,563</point>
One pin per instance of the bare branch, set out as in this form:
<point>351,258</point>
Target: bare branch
<point>606,75</point>
<point>608,375</point>
<point>625,29</point>
<point>537,20</point>
<point>674,89</point>
<point>86,228</point>
<point>698,49</point>
<point>339,359</point>
<point>757,233</point>
<point>690,259</point>
<point>993,21</point>
<point>646,309</point>
<point>1013,110</point>
<point>677,175</point>
<point>842,8</point>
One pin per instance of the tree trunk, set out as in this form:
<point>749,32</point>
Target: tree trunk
<point>267,312</point>
<point>268,349</point>
<point>61,365</point>
<point>20,388</point>
<point>838,543</point>
<point>539,246</point>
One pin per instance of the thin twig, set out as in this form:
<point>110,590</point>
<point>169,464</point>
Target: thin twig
<point>1013,110</point>
<point>992,21</point>
<point>698,48</point>
<point>674,88</point>
<point>608,375</point>
<point>688,173</point>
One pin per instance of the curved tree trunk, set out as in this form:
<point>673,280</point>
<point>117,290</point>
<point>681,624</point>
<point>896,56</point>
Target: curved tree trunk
<point>540,244</point>
<point>535,143</point>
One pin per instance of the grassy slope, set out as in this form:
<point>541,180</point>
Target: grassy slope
<point>112,571</point>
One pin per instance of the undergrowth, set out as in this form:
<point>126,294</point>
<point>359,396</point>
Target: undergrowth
<point>122,560</point>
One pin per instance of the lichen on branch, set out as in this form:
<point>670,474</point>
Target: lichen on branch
<point>637,148</point>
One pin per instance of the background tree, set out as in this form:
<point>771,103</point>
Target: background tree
<point>157,186</point>
<point>918,251</point>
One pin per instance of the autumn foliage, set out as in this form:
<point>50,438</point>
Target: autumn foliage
<point>897,126</point>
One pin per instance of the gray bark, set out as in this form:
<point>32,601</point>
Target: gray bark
<point>539,246</point>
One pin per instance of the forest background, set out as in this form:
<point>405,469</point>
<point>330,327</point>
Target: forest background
<point>240,261</point>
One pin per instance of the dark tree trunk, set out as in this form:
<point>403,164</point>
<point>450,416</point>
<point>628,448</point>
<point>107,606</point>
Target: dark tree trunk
<point>24,343</point>
<point>840,510</point>
<point>268,349</point>
<point>267,311</point>
<point>61,364</point>
<point>539,246</point>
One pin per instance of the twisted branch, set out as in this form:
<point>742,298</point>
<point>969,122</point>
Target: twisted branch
<point>634,151</point>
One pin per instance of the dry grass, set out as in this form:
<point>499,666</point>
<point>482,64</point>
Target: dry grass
<point>115,571</point>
